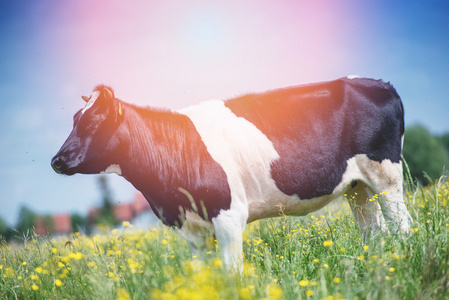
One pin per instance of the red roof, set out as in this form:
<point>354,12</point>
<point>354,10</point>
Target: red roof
<point>124,212</point>
<point>140,203</point>
<point>63,223</point>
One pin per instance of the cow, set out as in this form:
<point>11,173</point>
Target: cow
<point>218,165</point>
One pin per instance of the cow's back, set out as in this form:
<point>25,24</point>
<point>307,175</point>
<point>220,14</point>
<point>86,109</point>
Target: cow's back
<point>317,128</point>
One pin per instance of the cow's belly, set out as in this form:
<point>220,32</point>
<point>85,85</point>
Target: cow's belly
<point>272,202</point>
<point>285,206</point>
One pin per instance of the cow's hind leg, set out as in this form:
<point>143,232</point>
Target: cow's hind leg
<point>366,210</point>
<point>385,178</point>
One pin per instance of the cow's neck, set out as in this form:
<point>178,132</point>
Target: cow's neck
<point>157,144</point>
<point>163,155</point>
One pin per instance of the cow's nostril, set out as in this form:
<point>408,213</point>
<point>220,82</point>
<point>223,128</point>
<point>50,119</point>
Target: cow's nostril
<point>56,164</point>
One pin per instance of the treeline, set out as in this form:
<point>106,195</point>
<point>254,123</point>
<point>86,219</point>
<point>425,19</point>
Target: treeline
<point>426,155</point>
<point>27,219</point>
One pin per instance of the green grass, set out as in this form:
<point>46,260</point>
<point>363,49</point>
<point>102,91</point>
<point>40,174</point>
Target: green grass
<point>320,256</point>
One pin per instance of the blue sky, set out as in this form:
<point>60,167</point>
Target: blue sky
<point>177,53</point>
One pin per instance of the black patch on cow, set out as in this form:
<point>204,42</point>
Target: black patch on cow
<point>316,128</point>
<point>166,153</point>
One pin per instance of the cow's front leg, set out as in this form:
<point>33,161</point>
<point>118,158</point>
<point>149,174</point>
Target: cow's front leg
<point>229,228</point>
<point>198,233</point>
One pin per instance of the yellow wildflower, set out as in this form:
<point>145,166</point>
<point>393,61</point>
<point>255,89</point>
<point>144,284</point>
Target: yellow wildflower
<point>217,262</point>
<point>91,263</point>
<point>58,282</point>
<point>248,269</point>
<point>328,243</point>
<point>274,292</point>
<point>245,293</point>
<point>122,294</point>
<point>303,283</point>
<point>77,255</point>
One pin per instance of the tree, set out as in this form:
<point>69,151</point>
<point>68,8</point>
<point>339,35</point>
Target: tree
<point>5,231</point>
<point>444,139</point>
<point>106,215</point>
<point>423,152</point>
<point>26,220</point>
<point>79,223</point>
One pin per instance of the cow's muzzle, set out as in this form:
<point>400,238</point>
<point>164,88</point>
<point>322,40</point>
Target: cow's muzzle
<point>59,164</point>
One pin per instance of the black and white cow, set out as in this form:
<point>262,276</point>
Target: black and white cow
<point>222,164</point>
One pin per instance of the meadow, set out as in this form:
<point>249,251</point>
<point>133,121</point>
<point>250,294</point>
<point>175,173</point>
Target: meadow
<point>319,256</point>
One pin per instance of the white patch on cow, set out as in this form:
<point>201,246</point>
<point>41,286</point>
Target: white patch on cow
<point>242,150</point>
<point>352,76</point>
<point>245,154</point>
<point>114,168</point>
<point>91,101</point>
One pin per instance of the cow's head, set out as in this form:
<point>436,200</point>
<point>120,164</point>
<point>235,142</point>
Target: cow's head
<point>91,146</point>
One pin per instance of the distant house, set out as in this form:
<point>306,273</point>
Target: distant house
<point>138,212</point>
<point>63,223</point>
<point>144,217</point>
<point>124,212</point>
<point>56,225</point>
<point>140,203</point>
